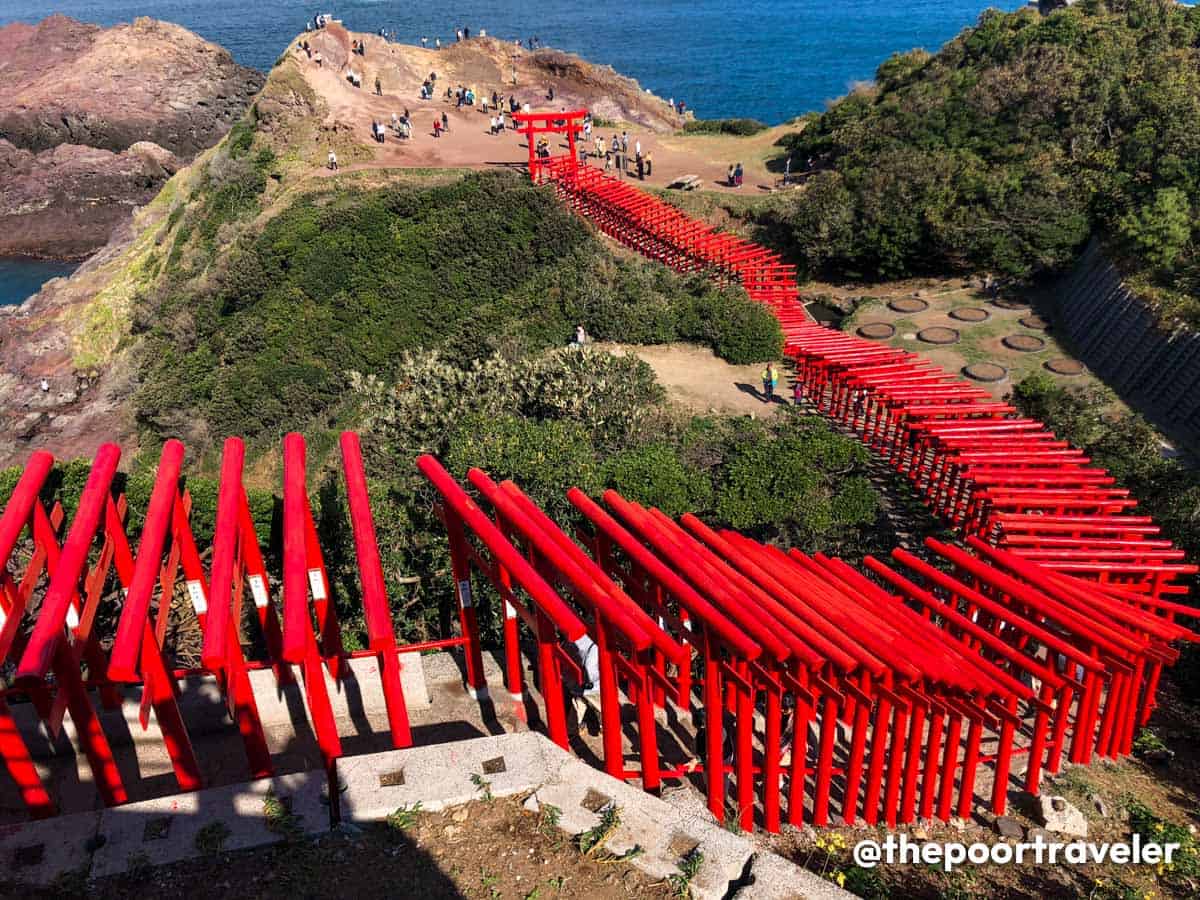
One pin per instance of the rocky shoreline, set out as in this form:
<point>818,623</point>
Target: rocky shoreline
<point>93,121</point>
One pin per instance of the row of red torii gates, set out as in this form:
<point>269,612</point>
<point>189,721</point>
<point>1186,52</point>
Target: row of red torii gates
<point>808,690</point>
<point>824,690</point>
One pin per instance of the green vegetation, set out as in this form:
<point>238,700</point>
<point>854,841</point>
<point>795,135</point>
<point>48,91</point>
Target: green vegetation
<point>349,281</point>
<point>1009,147</point>
<point>592,420</point>
<point>739,127</point>
<point>1130,449</point>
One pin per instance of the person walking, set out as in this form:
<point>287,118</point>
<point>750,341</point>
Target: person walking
<point>378,87</point>
<point>332,161</point>
<point>770,379</point>
<point>445,122</point>
<point>649,164</point>
<point>729,177</point>
<point>737,176</point>
<point>641,168</point>
<point>437,127</point>
<point>797,391</point>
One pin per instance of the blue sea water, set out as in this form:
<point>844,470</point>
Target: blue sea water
<point>22,278</point>
<point>767,60</point>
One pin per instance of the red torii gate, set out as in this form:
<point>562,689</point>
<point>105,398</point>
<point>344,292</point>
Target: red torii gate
<point>535,123</point>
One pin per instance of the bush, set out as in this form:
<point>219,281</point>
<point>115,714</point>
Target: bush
<point>1009,148</point>
<point>351,281</point>
<point>738,329</point>
<point>740,127</point>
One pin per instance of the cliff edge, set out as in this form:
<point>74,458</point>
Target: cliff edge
<point>94,120</point>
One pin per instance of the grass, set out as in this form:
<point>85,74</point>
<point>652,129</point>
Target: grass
<point>211,838</point>
<point>689,868</point>
<point>405,817</point>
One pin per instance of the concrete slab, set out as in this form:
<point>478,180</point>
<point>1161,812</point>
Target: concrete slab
<point>377,784</point>
<point>39,852</point>
<point>165,830</point>
<point>774,878</point>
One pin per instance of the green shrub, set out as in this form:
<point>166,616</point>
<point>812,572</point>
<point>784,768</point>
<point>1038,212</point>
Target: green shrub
<point>1009,148</point>
<point>740,127</point>
<point>350,281</point>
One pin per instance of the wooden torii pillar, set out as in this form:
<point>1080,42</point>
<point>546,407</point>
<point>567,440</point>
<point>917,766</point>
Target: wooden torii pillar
<point>532,124</point>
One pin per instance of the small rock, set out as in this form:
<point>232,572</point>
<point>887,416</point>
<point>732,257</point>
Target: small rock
<point>1034,833</point>
<point>1061,817</point>
<point>461,815</point>
<point>531,804</point>
<point>451,830</point>
<point>1100,806</point>
<point>1159,757</point>
<point>1008,827</point>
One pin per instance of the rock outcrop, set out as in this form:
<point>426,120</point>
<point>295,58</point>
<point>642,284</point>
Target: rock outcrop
<point>94,120</point>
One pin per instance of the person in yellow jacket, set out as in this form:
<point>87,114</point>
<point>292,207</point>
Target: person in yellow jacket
<point>770,381</point>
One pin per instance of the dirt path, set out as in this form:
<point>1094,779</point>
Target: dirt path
<point>468,143</point>
<point>698,380</point>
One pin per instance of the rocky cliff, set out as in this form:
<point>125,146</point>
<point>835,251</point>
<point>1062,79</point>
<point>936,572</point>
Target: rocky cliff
<point>94,120</point>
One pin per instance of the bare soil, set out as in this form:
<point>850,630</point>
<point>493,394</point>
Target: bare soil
<point>491,849</point>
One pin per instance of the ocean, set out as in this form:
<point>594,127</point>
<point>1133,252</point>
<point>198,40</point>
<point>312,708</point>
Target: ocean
<point>765,60</point>
<point>22,278</point>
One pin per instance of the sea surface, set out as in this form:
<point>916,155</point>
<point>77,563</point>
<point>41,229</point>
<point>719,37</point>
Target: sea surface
<point>766,60</point>
<point>22,278</point>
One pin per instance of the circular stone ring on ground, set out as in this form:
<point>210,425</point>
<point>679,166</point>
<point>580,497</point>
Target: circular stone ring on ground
<point>1064,366</point>
<point>1024,343</point>
<point>908,305</point>
<point>938,335</point>
<point>876,331</point>
<point>1036,323</point>
<point>985,372</point>
<point>969,314</point>
<point>1010,303</point>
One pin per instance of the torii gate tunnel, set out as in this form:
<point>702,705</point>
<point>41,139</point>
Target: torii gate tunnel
<point>791,687</point>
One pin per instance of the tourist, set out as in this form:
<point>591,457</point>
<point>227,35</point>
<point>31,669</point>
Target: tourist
<point>637,149</point>
<point>317,59</point>
<point>395,123</point>
<point>599,145</point>
<point>445,122</point>
<point>737,176</point>
<point>649,164</point>
<point>797,391</point>
<point>587,128</point>
<point>770,379</point>
<point>641,169</point>
<point>424,41</point>
<point>466,34</point>
<point>496,98</point>
<point>332,161</point>
<point>787,170</point>
<point>492,126</point>
<point>378,87</point>
<point>625,143</point>
<point>550,94</point>
<point>581,336</point>
<point>458,34</point>
<point>500,126</point>
<point>729,178</point>
<point>608,161</point>
<point>437,43</point>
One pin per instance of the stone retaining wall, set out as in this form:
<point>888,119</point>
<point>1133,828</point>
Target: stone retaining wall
<point>1155,370</point>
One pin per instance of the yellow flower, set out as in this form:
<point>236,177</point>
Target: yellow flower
<point>841,879</point>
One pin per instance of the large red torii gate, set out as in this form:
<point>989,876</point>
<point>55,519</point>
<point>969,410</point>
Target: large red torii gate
<point>565,122</point>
